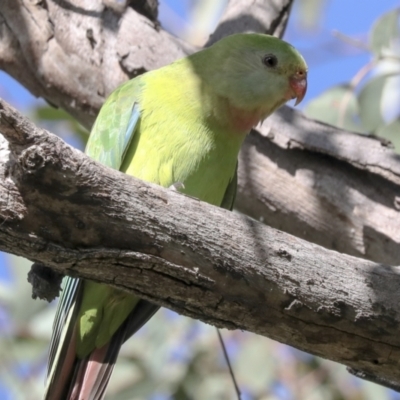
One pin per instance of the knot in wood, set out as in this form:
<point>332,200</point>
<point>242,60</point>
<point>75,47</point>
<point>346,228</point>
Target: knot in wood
<point>46,283</point>
<point>32,159</point>
<point>284,254</point>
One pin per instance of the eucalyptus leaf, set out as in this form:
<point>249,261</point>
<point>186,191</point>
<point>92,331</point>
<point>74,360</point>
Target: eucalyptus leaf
<point>385,34</point>
<point>336,106</point>
<point>377,95</point>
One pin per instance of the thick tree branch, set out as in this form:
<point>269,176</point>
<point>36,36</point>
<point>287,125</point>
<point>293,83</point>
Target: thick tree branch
<point>328,186</point>
<point>331,187</point>
<point>253,16</point>
<point>74,56</point>
<point>60,208</point>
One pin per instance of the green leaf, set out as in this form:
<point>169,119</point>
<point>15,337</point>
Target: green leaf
<point>336,106</point>
<point>377,95</point>
<point>385,34</point>
<point>390,101</point>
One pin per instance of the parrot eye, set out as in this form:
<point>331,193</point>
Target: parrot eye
<point>270,61</point>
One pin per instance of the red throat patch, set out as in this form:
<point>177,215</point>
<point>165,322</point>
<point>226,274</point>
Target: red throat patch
<point>244,120</point>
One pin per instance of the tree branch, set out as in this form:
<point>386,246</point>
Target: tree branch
<point>297,175</point>
<point>331,187</point>
<point>60,208</point>
<point>74,56</point>
<point>253,16</point>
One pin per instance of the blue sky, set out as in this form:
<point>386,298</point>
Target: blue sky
<point>330,60</point>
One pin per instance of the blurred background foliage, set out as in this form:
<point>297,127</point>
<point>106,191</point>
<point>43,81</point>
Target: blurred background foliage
<point>179,358</point>
<point>370,102</point>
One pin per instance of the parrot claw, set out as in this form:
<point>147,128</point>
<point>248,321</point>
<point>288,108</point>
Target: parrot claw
<point>177,186</point>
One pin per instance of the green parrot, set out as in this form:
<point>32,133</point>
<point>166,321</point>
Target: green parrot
<point>183,123</point>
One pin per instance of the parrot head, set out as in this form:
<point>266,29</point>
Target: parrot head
<point>257,73</point>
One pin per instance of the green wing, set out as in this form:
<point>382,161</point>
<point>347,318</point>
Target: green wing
<point>115,125</point>
<point>111,135</point>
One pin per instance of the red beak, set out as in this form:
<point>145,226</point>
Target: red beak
<point>298,83</point>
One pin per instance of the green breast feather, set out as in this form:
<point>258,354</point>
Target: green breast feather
<point>168,143</point>
<point>182,123</point>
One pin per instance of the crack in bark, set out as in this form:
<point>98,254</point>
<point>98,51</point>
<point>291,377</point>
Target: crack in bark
<point>228,295</point>
<point>278,21</point>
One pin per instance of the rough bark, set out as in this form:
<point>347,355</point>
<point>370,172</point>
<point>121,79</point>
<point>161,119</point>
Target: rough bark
<point>253,16</point>
<point>297,175</point>
<point>74,53</point>
<point>334,188</point>
<point>60,208</point>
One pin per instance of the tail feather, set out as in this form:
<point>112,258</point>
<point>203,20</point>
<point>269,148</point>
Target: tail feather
<point>62,349</point>
<point>71,378</point>
<point>61,374</point>
<point>143,311</point>
<point>93,372</point>
<point>90,373</point>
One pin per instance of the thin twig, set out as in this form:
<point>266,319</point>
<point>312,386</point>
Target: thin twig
<point>221,340</point>
<point>359,44</point>
<point>355,81</point>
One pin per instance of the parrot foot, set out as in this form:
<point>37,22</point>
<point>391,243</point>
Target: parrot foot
<point>177,186</point>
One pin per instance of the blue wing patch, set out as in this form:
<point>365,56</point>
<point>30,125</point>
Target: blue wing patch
<point>130,130</point>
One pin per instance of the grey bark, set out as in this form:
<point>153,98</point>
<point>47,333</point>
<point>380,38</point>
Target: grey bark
<point>331,187</point>
<point>256,16</point>
<point>75,53</point>
<point>297,175</point>
<point>60,208</point>
<point>328,186</point>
